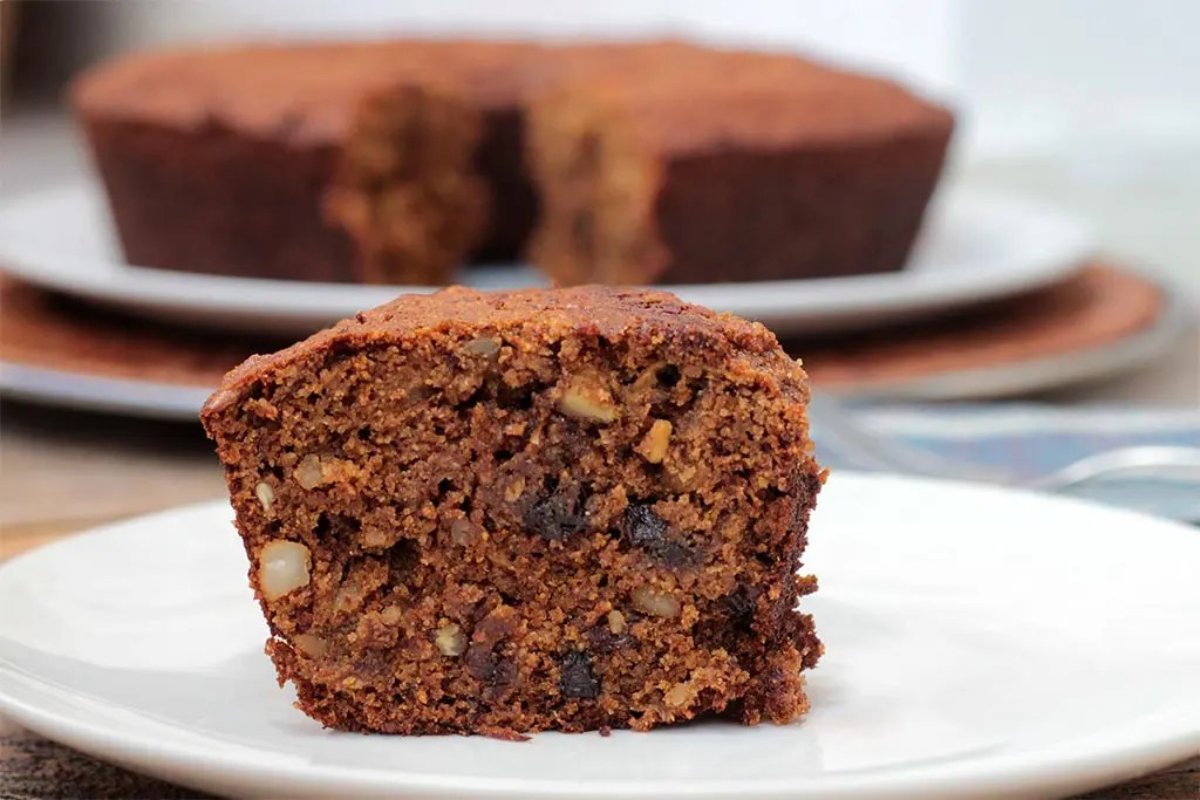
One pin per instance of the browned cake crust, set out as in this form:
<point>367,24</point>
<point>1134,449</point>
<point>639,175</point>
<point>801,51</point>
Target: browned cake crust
<point>656,161</point>
<point>502,513</point>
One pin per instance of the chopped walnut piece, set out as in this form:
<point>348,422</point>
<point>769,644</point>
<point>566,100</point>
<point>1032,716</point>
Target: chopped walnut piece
<point>310,644</point>
<point>679,695</point>
<point>653,446</point>
<point>265,495</point>
<point>654,602</point>
<point>308,472</point>
<point>587,400</point>
<point>450,640</point>
<point>515,489</point>
<point>282,567</point>
<point>482,347</point>
<point>463,532</point>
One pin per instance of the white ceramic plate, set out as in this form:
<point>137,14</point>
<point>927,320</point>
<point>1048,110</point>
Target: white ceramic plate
<point>172,401</point>
<point>981,642</point>
<point>975,247</point>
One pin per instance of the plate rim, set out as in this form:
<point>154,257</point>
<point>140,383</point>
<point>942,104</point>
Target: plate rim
<point>161,293</point>
<point>102,393</point>
<point>1174,319</point>
<point>1010,774</point>
<point>1060,767</point>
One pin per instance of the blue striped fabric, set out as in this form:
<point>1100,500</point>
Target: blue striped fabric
<point>1035,439</point>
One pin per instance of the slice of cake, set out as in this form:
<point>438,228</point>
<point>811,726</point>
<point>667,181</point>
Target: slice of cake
<point>502,513</point>
<point>396,160</point>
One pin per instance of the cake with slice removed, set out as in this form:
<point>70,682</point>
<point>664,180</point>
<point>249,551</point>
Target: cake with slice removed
<point>566,509</point>
<point>396,161</point>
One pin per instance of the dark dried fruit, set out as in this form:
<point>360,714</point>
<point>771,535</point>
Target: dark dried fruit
<point>484,659</point>
<point>556,516</point>
<point>576,678</point>
<point>480,661</point>
<point>601,639</point>
<point>644,529</point>
<point>498,624</point>
<point>742,603</point>
<point>493,670</point>
<point>675,555</point>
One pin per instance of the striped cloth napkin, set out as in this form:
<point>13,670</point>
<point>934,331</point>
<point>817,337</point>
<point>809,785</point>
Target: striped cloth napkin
<point>1031,440</point>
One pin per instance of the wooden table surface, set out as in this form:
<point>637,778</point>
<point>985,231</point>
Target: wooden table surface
<point>63,472</point>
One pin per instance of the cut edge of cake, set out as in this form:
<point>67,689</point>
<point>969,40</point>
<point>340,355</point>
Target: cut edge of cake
<point>567,509</point>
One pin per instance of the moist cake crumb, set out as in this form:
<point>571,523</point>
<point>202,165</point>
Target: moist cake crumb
<point>570,509</point>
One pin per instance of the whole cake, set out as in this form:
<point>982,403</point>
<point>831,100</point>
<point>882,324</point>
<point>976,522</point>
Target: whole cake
<point>395,161</point>
<point>565,509</point>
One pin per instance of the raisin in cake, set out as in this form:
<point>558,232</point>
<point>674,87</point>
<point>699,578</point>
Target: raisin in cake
<point>550,509</point>
<point>394,161</point>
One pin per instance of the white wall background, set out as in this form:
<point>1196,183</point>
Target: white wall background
<point>1040,71</point>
